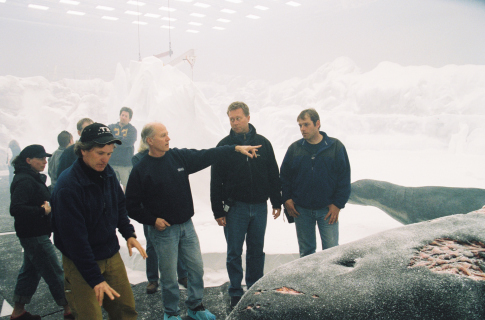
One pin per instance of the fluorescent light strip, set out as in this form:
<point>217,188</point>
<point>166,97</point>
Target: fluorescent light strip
<point>202,5</point>
<point>234,1</point>
<point>198,15</point>
<point>35,6</point>
<point>136,3</point>
<point>142,23</point>
<point>223,20</point>
<point>293,4</point>
<point>252,16</point>
<point>167,27</point>
<point>169,19</point>
<point>133,13</point>
<point>109,18</point>
<point>76,13</point>
<point>185,0</point>
<point>105,8</point>
<point>152,15</point>
<point>192,31</point>
<point>261,8</point>
<point>74,3</point>
<point>228,11</point>
<point>167,9</point>
<point>218,28</point>
<point>195,23</point>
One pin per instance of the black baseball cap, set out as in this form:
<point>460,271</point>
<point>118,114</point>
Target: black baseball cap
<point>34,151</point>
<point>99,133</point>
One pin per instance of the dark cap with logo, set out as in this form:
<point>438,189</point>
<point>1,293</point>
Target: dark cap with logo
<point>34,151</point>
<point>99,133</point>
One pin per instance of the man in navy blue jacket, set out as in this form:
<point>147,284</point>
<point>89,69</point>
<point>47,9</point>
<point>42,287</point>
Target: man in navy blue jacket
<point>158,195</point>
<point>88,206</point>
<point>315,176</point>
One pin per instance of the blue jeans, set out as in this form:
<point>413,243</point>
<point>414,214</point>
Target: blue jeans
<point>305,230</point>
<point>178,240</point>
<point>40,260</point>
<point>152,261</point>
<point>245,222</point>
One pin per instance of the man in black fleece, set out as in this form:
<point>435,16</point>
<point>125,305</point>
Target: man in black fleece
<point>158,194</point>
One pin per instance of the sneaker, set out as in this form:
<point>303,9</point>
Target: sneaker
<point>169,317</point>
<point>26,316</point>
<point>184,282</point>
<point>234,301</point>
<point>152,287</point>
<point>200,313</point>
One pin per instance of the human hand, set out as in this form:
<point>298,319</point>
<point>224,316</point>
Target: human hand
<point>249,151</point>
<point>221,221</point>
<point>103,288</point>
<point>333,212</point>
<point>161,224</point>
<point>276,213</point>
<point>133,243</point>
<point>47,207</point>
<point>290,207</point>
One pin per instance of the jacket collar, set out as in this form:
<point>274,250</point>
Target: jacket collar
<point>327,142</point>
<point>84,179</point>
<point>244,138</point>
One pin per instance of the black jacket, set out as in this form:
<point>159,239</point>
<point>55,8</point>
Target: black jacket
<point>241,178</point>
<point>27,194</point>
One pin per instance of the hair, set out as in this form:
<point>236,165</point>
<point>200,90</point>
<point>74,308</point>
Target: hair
<point>311,113</point>
<point>80,123</point>
<point>130,112</point>
<point>238,105</point>
<point>143,146</point>
<point>147,132</point>
<point>64,138</point>
<point>87,146</point>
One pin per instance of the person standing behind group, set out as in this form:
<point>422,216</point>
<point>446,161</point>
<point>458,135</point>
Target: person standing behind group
<point>13,151</point>
<point>240,188</point>
<point>159,195</point>
<point>65,140</point>
<point>315,176</point>
<point>88,207</point>
<point>31,210</point>
<point>121,159</point>
<point>152,258</point>
<point>68,157</point>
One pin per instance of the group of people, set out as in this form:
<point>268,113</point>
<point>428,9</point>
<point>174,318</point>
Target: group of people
<point>97,192</point>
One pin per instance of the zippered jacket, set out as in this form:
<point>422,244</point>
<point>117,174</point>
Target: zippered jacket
<point>85,218</point>
<point>314,181</point>
<point>241,178</point>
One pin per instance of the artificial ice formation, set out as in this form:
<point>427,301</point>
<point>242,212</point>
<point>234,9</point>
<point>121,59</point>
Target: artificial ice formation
<point>397,274</point>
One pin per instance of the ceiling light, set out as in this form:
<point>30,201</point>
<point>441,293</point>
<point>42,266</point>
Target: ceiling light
<point>218,28</point>
<point>75,3</point>
<point>293,4</point>
<point>202,5</point>
<point>252,16</point>
<point>142,23</point>
<point>223,20</point>
<point>169,19</point>
<point>109,18</point>
<point>136,3</point>
<point>152,15</point>
<point>185,0</point>
<point>198,15</point>
<point>35,6</point>
<point>105,8</point>
<point>167,27</point>
<point>167,9</point>
<point>133,13</point>
<point>234,1</point>
<point>195,23</point>
<point>261,7</point>
<point>193,31</point>
<point>76,13</point>
<point>228,11</point>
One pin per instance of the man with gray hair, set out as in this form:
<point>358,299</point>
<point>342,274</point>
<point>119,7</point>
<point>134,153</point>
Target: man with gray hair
<point>158,195</point>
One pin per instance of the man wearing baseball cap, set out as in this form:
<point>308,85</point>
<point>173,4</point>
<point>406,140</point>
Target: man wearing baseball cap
<point>88,206</point>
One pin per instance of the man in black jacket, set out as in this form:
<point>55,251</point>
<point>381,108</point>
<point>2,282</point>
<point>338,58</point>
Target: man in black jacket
<point>240,188</point>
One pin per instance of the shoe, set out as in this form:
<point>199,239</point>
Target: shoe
<point>200,313</point>
<point>69,316</point>
<point>234,301</point>
<point>169,317</point>
<point>26,316</point>
<point>183,282</point>
<point>152,287</point>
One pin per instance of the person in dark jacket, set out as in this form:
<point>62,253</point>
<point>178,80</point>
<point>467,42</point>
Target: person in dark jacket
<point>240,188</point>
<point>29,205</point>
<point>158,195</point>
<point>151,261</point>
<point>68,157</point>
<point>126,133</point>
<point>88,207</point>
<point>315,176</point>
<point>65,140</point>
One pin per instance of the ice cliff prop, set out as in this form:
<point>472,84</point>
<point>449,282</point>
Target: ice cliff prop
<point>427,270</point>
<point>410,205</point>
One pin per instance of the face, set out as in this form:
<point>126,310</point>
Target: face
<point>160,140</point>
<point>124,118</point>
<point>84,125</point>
<point>308,130</point>
<point>239,121</point>
<point>38,164</point>
<point>97,158</point>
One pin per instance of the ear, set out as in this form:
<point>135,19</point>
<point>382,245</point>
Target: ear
<point>83,152</point>
<point>28,160</point>
<point>149,141</point>
<point>249,118</point>
<point>317,124</point>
